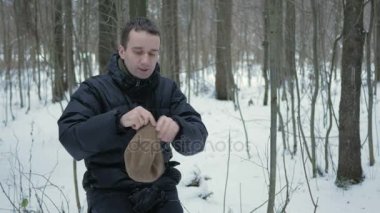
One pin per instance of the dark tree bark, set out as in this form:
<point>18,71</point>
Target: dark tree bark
<point>275,39</point>
<point>170,63</point>
<point>37,49</point>
<point>107,32</point>
<point>20,31</point>
<point>377,40</point>
<point>224,82</point>
<point>349,165</point>
<point>7,51</point>
<point>314,6</point>
<point>266,52</point>
<point>369,86</point>
<point>69,52</point>
<point>290,64</point>
<point>137,8</point>
<point>58,84</point>
<point>189,48</point>
<point>303,38</point>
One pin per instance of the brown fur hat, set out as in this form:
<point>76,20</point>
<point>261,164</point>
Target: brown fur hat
<point>143,157</point>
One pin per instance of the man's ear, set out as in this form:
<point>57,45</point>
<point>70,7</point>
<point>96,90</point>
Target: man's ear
<point>121,50</point>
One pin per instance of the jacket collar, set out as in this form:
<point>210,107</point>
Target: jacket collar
<point>126,80</point>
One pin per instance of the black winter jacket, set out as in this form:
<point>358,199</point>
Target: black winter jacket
<point>89,127</point>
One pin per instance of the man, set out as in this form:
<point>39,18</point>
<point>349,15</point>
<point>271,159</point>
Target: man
<point>105,113</point>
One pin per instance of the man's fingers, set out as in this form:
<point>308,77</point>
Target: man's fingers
<point>152,120</point>
<point>160,123</point>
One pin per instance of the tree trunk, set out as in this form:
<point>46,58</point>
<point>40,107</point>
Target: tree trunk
<point>369,86</point>
<point>38,52</point>
<point>349,165</point>
<point>377,40</point>
<point>69,52</point>
<point>329,101</point>
<point>266,52</point>
<point>107,33</point>
<point>20,30</point>
<point>224,82</point>
<point>87,68</point>
<point>7,51</point>
<point>290,53</point>
<point>303,40</point>
<point>313,159</point>
<point>58,84</point>
<point>29,27</point>
<point>137,8</point>
<point>189,48</point>
<point>275,38</point>
<point>170,64</point>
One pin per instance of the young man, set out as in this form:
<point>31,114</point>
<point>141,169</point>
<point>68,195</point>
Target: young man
<point>105,113</point>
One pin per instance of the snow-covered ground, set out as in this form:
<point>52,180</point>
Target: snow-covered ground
<point>34,164</point>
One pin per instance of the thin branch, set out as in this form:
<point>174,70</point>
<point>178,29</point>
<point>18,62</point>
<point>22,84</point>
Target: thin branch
<point>228,170</point>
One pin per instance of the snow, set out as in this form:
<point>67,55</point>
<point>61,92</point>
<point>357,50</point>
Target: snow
<point>31,154</point>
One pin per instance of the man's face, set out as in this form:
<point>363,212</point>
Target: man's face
<point>141,53</point>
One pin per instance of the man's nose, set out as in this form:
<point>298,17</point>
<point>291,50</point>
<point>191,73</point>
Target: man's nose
<point>145,58</point>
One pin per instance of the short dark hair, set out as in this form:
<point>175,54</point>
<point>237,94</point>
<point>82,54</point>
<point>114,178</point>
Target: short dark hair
<point>138,24</point>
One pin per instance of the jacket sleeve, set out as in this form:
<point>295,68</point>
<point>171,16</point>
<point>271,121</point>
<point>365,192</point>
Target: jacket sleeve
<point>84,130</point>
<point>193,134</point>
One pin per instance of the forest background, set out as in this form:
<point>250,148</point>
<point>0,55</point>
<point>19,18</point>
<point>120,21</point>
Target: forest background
<point>314,65</point>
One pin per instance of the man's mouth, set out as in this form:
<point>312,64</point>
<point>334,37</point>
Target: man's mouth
<point>143,70</point>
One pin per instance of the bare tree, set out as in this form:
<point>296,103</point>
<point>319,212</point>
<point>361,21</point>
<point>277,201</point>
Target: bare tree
<point>189,44</point>
<point>170,63</point>
<point>266,51</point>
<point>275,38</point>
<point>377,39</point>
<point>369,85</point>
<point>20,35</point>
<point>7,51</point>
<point>314,7</point>
<point>69,52</point>
<point>303,37</point>
<point>107,32</point>
<point>329,80</point>
<point>37,47</point>
<point>83,34</point>
<point>224,82</point>
<point>290,64</point>
<point>349,165</point>
<point>58,83</point>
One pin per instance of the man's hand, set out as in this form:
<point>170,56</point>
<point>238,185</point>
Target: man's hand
<point>137,118</point>
<point>167,129</point>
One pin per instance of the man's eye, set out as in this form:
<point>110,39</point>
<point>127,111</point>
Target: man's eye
<point>138,52</point>
<point>152,54</point>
